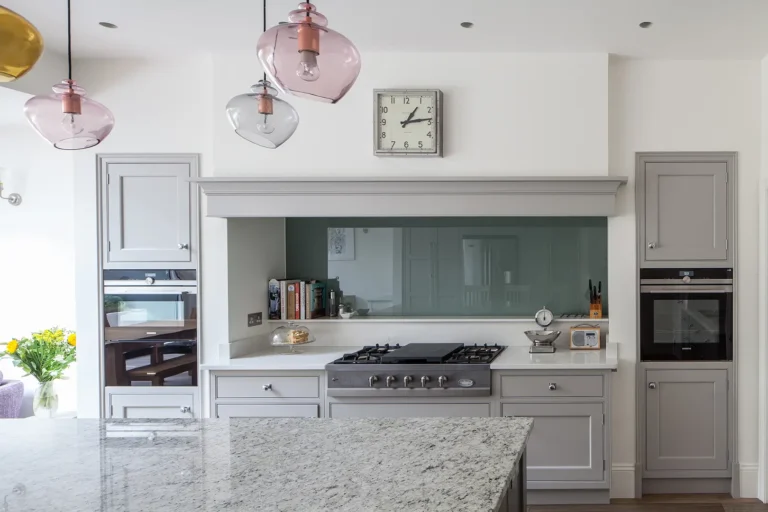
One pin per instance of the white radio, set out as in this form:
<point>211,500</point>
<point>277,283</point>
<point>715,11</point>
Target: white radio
<point>585,337</point>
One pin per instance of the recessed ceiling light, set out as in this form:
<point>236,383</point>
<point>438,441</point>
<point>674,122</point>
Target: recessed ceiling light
<point>646,24</point>
<point>107,24</point>
<point>467,24</point>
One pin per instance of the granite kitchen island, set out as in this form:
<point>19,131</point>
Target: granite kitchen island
<point>414,464</point>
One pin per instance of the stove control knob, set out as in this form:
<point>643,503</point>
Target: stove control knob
<point>371,380</point>
<point>441,380</point>
<point>407,380</point>
<point>424,381</point>
<point>390,379</point>
<point>149,280</point>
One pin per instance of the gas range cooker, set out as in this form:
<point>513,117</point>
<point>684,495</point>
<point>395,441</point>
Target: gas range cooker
<point>416,369</point>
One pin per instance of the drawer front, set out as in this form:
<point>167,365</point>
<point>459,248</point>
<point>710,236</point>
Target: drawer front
<point>551,386</point>
<point>338,410</point>
<point>267,411</point>
<point>267,387</point>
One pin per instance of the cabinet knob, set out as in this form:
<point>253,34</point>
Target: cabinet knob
<point>183,246</point>
<point>552,386</point>
<point>651,245</point>
<point>185,409</point>
<point>651,385</point>
<point>267,387</point>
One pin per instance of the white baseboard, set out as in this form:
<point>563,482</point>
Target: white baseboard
<point>748,474</point>
<point>623,480</point>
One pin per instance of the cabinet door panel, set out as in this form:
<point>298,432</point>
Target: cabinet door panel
<point>148,209</point>
<point>151,406</point>
<point>338,410</point>
<point>566,442</point>
<point>686,420</point>
<point>267,411</point>
<point>686,215</point>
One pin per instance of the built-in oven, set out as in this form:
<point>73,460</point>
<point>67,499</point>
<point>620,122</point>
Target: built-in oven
<point>686,314</point>
<point>150,327</point>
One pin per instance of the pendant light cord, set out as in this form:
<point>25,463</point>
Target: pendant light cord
<point>69,37</point>
<point>264,29</point>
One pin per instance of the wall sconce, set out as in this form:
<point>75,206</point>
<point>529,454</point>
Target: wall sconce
<point>14,199</point>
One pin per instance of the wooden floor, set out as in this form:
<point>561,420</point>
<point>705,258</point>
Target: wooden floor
<point>665,503</point>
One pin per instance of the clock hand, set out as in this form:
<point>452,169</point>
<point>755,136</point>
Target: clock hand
<point>406,122</point>
<point>410,116</point>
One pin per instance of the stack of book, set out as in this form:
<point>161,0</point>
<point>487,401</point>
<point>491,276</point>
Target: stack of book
<point>294,299</point>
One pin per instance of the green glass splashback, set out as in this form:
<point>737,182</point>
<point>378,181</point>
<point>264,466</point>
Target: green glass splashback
<point>444,266</point>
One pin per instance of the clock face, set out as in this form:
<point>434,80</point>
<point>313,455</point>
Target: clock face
<point>407,123</point>
<point>544,317</point>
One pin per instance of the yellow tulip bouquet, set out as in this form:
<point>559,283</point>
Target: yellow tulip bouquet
<point>45,355</point>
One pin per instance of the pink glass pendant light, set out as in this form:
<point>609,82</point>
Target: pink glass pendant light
<point>262,118</point>
<point>66,118</point>
<point>306,58</point>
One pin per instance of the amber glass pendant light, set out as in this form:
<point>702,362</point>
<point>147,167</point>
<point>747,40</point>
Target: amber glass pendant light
<point>306,58</point>
<point>21,45</point>
<point>260,116</point>
<point>66,118</point>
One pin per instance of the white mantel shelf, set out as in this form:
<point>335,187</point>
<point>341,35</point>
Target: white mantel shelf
<point>406,197</point>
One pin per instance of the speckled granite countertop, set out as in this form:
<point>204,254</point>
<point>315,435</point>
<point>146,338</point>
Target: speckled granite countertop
<point>306,465</point>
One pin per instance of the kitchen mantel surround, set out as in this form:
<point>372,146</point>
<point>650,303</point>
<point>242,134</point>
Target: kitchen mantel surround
<point>232,197</point>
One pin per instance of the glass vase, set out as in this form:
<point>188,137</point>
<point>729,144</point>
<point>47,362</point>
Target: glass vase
<point>46,401</point>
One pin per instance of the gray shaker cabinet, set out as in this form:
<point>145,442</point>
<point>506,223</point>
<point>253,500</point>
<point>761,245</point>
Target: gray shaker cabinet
<point>686,420</point>
<point>566,442</point>
<point>685,208</point>
<point>149,211</point>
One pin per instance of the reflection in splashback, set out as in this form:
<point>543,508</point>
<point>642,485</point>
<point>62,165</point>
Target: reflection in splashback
<point>480,266</point>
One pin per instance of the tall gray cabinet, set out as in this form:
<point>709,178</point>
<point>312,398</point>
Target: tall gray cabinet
<point>685,204</point>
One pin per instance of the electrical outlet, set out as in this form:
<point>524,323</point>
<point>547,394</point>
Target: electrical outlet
<point>254,319</point>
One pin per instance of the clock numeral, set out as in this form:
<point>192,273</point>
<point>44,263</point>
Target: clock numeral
<point>383,110</point>
<point>429,123</point>
<point>429,134</point>
<point>406,101</point>
<point>383,135</point>
<point>421,99</point>
<point>393,145</point>
<point>392,99</point>
<point>421,145</point>
<point>405,144</point>
<point>429,110</point>
<point>383,121</point>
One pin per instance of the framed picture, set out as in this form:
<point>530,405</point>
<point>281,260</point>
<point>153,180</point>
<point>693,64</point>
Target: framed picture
<point>341,244</point>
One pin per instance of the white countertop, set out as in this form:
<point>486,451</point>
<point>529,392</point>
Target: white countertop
<point>518,358</point>
<point>513,358</point>
<point>313,357</point>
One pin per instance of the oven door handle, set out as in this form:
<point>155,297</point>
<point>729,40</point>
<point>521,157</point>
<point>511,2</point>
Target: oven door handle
<point>686,289</point>
<point>149,290</point>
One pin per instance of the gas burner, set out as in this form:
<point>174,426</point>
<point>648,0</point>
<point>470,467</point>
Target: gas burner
<point>475,354</point>
<point>368,355</point>
<point>423,354</point>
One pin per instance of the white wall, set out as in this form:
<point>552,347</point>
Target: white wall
<point>37,246</point>
<point>521,114</point>
<point>685,106</point>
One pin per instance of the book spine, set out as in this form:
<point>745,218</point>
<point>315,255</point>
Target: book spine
<point>302,300</point>
<point>273,299</point>
<point>297,301</point>
<point>291,301</point>
<point>308,300</point>
<point>283,309</point>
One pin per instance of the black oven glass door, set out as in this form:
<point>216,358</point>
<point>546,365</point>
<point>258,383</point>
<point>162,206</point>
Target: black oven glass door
<point>686,325</point>
<point>151,313</point>
<point>150,335</point>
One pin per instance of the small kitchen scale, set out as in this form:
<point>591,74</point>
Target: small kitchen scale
<point>542,341</point>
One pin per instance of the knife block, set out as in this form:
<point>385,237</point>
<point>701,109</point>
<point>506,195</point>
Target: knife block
<point>596,311</point>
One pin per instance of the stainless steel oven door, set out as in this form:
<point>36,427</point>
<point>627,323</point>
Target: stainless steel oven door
<point>686,322</point>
